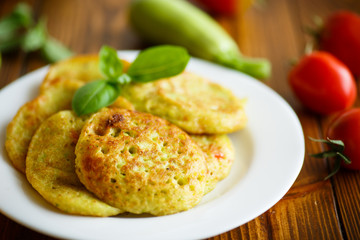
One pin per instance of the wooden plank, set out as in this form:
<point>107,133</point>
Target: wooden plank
<point>12,230</point>
<point>347,192</point>
<point>92,24</point>
<point>302,214</point>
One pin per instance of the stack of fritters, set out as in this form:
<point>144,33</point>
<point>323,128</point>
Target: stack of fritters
<point>120,160</point>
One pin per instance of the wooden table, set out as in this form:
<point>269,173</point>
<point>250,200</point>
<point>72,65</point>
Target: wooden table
<point>313,208</point>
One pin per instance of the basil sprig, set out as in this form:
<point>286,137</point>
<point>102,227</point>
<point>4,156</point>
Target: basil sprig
<point>19,30</point>
<point>151,64</point>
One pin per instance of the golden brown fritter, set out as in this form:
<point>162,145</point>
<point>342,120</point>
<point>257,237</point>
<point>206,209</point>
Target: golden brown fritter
<point>219,155</point>
<point>50,167</point>
<point>140,163</point>
<point>191,102</point>
<point>29,117</point>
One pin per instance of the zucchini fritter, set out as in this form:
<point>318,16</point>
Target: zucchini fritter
<point>29,117</point>
<point>50,167</point>
<point>140,163</point>
<point>191,102</point>
<point>219,155</point>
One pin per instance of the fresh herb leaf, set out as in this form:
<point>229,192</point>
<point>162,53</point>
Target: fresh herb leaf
<point>94,96</point>
<point>35,38</point>
<point>54,51</point>
<point>20,17</point>
<point>158,62</point>
<point>110,65</point>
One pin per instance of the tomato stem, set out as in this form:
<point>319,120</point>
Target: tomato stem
<point>336,151</point>
<point>335,170</point>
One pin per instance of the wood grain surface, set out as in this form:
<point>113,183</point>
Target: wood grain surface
<point>312,208</point>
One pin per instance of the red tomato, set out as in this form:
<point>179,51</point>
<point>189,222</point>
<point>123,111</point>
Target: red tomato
<point>341,37</point>
<point>346,127</point>
<point>222,7</point>
<point>323,83</point>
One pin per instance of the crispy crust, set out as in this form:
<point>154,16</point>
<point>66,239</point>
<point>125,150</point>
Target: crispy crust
<point>140,163</point>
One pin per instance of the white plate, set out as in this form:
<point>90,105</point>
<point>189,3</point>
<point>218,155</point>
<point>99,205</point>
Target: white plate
<point>269,156</point>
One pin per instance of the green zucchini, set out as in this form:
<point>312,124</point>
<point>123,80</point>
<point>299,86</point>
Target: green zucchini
<point>180,23</point>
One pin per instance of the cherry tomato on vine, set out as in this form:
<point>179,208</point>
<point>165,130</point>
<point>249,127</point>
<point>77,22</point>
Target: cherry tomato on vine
<point>340,36</point>
<point>346,127</point>
<point>323,83</point>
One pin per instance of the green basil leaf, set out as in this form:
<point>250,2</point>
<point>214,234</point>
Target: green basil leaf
<point>22,14</point>
<point>35,38</point>
<point>94,96</point>
<point>20,17</point>
<point>110,65</point>
<point>8,29</point>
<point>10,44</point>
<point>54,51</point>
<point>158,62</point>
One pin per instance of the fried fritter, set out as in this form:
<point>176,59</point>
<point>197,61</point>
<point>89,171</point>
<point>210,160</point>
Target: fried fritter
<point>29,117</point>
<point>50,167</point>
<point>219,155</point>
<point>140,163</point>
<point>191,102</point>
